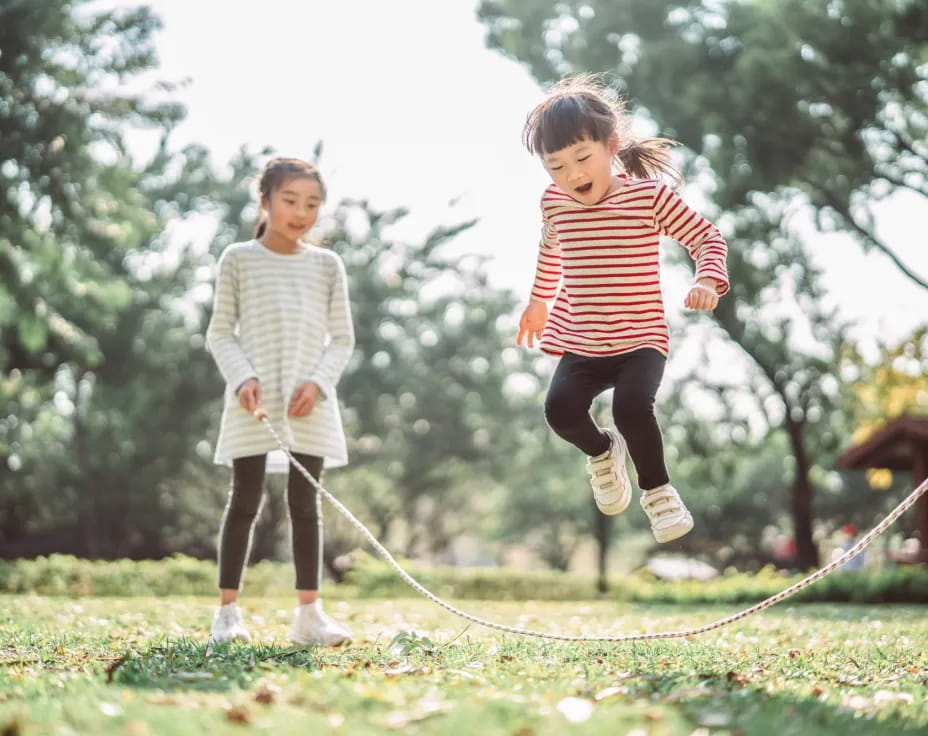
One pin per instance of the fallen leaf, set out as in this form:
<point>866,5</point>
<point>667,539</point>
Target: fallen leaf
<point>609,692</point>
<point>408,669</point>
<point>737,678</point>
<point>575,710</point>
<point>239,714</point>
<point>266,693</point>
<point>193,675</point>
<point>110,709</point>
<point>885,696</point>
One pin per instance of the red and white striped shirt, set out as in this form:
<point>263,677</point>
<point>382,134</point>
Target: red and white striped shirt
<point>607,254</point>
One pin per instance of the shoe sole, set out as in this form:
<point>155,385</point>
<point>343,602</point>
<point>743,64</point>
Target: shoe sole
<point>300,643</point>
<point>674,532</point>
<point>228,640</point>
<point>617,507</point>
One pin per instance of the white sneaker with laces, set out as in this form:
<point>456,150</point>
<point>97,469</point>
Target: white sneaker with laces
<point>670,519</point>
<point>612,490</point>
<point>228,626</point>
<point>313,627</point>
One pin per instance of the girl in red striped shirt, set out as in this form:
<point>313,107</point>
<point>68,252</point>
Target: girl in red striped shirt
<point>603,217</point>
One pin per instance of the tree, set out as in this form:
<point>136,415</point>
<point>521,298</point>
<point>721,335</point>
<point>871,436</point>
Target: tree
<point>95,308</point>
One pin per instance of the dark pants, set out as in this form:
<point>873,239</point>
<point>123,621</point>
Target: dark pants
<point>635,378</point>
<point>242,510</point>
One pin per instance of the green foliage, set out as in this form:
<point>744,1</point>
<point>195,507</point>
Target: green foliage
<point>409,642</point>
<point>898,585</point>
<point>106,390</point>
<point>905,584</point>
<point>376,579</point>
<point>176,575</point>
<point>373,579</point>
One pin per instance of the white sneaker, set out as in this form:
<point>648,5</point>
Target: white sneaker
<point>669,518</point>
<point>313,627</point>
<point>228,626</point>
<point>612,490</point>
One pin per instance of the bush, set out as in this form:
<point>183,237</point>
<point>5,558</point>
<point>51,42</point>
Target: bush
<point>372,578</point>
<point>376,579</point>
<point>177,575</point>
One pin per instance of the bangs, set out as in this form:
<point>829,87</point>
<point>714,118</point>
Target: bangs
<point>566,120</point>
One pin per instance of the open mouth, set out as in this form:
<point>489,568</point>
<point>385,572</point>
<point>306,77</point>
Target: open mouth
<point>584,188</point>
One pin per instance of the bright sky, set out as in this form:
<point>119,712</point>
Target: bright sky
<point>415,111</point>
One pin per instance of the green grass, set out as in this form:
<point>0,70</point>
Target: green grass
<point>141,666</point>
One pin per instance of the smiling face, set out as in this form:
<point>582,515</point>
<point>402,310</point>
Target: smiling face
<point>293,208</point>
<point>583,169</point>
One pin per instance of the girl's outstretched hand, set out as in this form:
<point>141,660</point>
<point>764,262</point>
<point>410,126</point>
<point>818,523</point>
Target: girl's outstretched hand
<point>532,322</point>
<point>304,399</point>
<point>249,395</point>
<point>703,296</point>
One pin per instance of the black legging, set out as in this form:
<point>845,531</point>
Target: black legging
<point>242,509</point>
<point>635,378</point>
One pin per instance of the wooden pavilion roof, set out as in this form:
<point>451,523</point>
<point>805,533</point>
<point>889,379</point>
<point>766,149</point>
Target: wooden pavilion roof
<point>894,446</point>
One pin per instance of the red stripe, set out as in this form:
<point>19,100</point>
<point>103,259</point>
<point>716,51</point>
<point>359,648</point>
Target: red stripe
<point>633,324</point>
<point>639,334</point>
<point>559,309</point>
<point>634,293</point>
<point>608,238</point>
<point>605,280</point>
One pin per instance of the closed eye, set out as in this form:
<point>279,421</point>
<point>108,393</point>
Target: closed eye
<point>580,160</point>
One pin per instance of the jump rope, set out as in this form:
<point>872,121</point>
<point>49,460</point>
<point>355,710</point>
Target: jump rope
<point>261,415</point>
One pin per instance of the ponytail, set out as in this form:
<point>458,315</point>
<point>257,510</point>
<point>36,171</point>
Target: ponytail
<point>648,158</point>
<point>261,227</point>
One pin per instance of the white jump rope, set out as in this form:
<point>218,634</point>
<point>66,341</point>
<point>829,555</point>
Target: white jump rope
<point>261,415</point>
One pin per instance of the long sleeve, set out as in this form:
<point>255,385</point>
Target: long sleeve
<point>702,239</point>
<point>221,337</point>
<point>340,330</point>
<point>548,270</point>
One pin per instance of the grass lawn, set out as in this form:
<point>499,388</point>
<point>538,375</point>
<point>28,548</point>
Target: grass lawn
<point>137,666</point>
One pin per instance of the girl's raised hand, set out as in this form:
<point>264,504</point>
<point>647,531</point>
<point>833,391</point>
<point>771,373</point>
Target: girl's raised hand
<point>249,395</point>
<point>532,322</point>
<point>304,399</point>
<point>703,296</point>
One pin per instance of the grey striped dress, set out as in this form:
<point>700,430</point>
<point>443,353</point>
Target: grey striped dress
<point>285,320</point>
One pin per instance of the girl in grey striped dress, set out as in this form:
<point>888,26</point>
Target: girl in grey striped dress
<point>281,335</point>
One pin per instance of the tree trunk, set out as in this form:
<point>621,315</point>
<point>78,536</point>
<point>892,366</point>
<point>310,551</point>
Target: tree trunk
<point>88,496</point>
<point>602,531</point>
<point>806,551</point>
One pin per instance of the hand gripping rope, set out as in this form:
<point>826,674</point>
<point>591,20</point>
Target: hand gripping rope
<point>261,415</point>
